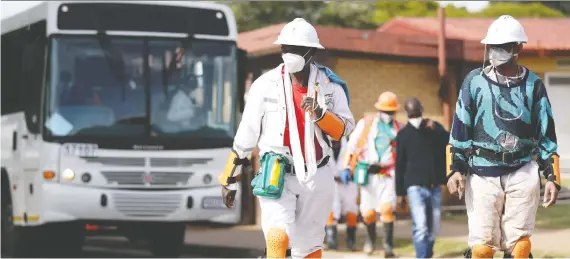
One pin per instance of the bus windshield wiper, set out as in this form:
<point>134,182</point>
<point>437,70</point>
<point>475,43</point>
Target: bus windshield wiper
<point>114,59</point>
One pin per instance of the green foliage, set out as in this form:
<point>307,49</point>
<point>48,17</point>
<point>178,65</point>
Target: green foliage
<point>357,15</point>
<point>519,10</point>
<point>368,15</point>
<point>253,15</point>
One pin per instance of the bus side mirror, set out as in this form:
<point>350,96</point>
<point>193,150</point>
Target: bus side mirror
<point>241,77</point>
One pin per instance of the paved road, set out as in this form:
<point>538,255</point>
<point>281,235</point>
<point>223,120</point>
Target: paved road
<point>119,247</point>
<point>102,247</point>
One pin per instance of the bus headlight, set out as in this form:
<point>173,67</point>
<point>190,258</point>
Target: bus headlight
<point>68,174</point>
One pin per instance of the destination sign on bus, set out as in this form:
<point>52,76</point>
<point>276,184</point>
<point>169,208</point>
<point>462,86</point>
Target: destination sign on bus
<point>143,18</point>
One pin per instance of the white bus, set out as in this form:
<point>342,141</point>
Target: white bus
<point>116,114</point>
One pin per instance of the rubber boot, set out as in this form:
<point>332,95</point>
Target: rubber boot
<point>388,240</point>
<point>331,233</point>
<point>508,255</point>
<point>370,244</point>
<point>351,238</point>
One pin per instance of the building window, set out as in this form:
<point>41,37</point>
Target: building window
<point>563,63</point>
<point>557,79</point>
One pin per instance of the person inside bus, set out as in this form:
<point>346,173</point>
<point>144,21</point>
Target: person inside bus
<point>180,106</point>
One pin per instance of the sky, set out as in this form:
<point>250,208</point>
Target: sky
<point>8,8</point>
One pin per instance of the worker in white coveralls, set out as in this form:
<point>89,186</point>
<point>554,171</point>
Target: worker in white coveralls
<point>344,204</point>
<point>502,136</point>
<point>370,162</point>
<point>292,110</point>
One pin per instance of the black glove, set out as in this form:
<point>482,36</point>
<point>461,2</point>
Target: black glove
<point>374,169</point>
<point>228,196</point>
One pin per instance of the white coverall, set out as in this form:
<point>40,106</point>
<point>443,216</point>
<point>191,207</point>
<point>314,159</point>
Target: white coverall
<point>380,189</point>
<point>345,198</point>
<point>304,206</point>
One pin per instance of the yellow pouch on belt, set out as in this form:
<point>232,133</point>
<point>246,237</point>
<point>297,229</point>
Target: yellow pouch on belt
<point>269,182</point>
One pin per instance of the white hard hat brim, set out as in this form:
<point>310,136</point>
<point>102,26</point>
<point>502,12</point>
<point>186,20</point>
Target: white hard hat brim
<point>488,41</point>
<point>302,44</point>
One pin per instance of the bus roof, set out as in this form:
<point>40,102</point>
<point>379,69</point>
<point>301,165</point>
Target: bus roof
<point>47,9</point>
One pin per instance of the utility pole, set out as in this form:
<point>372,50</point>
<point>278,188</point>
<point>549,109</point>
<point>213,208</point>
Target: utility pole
<point>448,96</point>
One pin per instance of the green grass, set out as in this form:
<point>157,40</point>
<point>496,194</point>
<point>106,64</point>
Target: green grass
<point>555,217</point>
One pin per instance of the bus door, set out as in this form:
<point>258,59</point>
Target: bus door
<point>29,135</point>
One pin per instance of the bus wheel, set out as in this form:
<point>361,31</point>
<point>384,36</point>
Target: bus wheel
<point>167,240</point>
<point>14,238</point>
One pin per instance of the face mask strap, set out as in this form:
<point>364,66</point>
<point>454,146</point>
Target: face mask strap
<point>484,59</point>
<point>308,61</point>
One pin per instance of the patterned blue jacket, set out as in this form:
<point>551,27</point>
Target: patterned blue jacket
<point>487,111</point>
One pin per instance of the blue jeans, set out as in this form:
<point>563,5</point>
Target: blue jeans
<point>425,207</point>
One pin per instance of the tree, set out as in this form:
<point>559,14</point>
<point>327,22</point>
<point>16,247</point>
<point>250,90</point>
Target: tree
<point>518,10</point>
<point>253,15</point>
<point>356,15</point>
<point>368,15</point>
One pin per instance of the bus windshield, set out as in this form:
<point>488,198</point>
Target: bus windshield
<point>100,86</point>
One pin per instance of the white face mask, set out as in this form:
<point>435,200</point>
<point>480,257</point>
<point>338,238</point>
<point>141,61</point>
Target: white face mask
<point>416,122</point>
<point>293,62</point>
<point>386,118</point>
<point>498,56</point>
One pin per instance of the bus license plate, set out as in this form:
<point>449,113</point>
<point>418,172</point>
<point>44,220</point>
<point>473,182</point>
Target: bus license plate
<point>80,149</point>
<point>213,203</point>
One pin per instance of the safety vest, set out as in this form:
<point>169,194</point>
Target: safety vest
<point>368,121</point>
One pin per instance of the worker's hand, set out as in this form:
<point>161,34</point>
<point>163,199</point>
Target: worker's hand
<point>430,124</point>
<point>550,194</point>
<point>345,176</point>
<point>309,105</point>
<point>228,196</point>
<point>374,169</point>
<point>402,202</point>
<point>456,184</point>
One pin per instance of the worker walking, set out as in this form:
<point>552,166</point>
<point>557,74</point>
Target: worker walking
<point>370,160</point>
<point>420,172</point>
<point>290,113</point>
<point>344,204</point>
<point>502,136</point>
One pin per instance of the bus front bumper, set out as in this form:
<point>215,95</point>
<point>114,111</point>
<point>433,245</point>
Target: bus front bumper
<point>62,202</point>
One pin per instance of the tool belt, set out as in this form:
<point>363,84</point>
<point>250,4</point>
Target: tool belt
<point>384,171</point>
<point>505,157</point>
<point>290,169</point>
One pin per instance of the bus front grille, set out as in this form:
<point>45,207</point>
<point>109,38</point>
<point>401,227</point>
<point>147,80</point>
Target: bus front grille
<point>141,178</point>
<point>116,161</point>
<point>146,204</point>
<point>177,162</point>
<point>124,178</point>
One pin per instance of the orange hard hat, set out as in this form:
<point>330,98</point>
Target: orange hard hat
<point>388,102</point>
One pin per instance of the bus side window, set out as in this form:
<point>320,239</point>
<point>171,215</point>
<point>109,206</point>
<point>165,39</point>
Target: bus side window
<point>33,71</point>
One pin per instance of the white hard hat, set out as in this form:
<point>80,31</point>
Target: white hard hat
<point>299,33</point>
<point>504,30</point>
